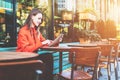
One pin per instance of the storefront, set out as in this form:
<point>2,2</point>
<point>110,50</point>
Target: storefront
<point>8,20</point>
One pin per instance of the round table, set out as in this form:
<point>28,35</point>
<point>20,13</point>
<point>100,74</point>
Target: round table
<point>16,56</point>
<point>14,65</point>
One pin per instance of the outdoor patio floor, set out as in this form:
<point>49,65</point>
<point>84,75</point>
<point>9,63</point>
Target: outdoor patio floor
<point>105,75</point>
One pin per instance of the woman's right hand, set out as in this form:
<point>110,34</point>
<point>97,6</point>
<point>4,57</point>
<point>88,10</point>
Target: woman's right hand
<point>46,42</point>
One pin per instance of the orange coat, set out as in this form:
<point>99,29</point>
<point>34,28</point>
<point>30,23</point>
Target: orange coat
<point>28,41</point>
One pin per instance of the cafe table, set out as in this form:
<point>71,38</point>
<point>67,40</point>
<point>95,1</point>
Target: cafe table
<point>14,65</point>
<point>60,50</point>
<point>16,56</point>
<point>65,48</point>
<point>83,45</point>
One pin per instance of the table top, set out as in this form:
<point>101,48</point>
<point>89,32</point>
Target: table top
<point>11,56</point>
<point>66,48</point>
<point>60,49</point>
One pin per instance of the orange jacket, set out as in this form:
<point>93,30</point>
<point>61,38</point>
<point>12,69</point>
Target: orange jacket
<point>28,41</point>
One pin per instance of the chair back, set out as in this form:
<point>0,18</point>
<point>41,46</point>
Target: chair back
<point>106,49</point>
<point>117,49</point>
<point>84,56</point>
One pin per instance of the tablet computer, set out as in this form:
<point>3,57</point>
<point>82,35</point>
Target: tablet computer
<point>57,40</point>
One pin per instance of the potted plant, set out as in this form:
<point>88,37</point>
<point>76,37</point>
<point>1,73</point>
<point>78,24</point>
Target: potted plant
<point>83,36</point>
<point>89,35</point>
<point>94,36</point>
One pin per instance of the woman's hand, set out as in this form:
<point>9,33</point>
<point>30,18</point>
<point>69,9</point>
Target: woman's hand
<point>46,42</point>
<point>60,40</point>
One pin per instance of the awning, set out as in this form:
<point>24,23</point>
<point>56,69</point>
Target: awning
<point>87,16</point>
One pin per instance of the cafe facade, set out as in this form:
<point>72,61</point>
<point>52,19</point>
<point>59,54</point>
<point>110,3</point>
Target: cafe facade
<point>67,16</point>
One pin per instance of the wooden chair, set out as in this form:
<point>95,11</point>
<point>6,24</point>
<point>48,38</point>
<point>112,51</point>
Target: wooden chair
<point>116,59</point>
<point>83,56</point>
<point>106,57</point>
<point>22,70</point>
<point>116,43</point>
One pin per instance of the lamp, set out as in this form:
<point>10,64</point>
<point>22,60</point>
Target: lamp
<point>66,15</point>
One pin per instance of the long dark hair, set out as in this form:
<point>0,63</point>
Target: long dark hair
<point>28,21</point>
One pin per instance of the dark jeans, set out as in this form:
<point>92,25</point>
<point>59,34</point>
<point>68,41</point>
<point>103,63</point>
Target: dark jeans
<point>48,61</point>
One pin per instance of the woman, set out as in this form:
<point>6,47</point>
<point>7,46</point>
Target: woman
<point>29,38</point>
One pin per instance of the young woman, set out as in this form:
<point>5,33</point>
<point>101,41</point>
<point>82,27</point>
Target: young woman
<point>29,38</point>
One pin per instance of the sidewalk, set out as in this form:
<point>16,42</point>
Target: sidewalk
<point>104,74</point>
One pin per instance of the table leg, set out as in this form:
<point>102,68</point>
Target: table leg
<point>60,62</point>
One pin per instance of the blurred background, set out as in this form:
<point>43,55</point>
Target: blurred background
<point>89,19</point>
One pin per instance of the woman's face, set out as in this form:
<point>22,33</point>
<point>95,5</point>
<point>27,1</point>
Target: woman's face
<point>37,19</point>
